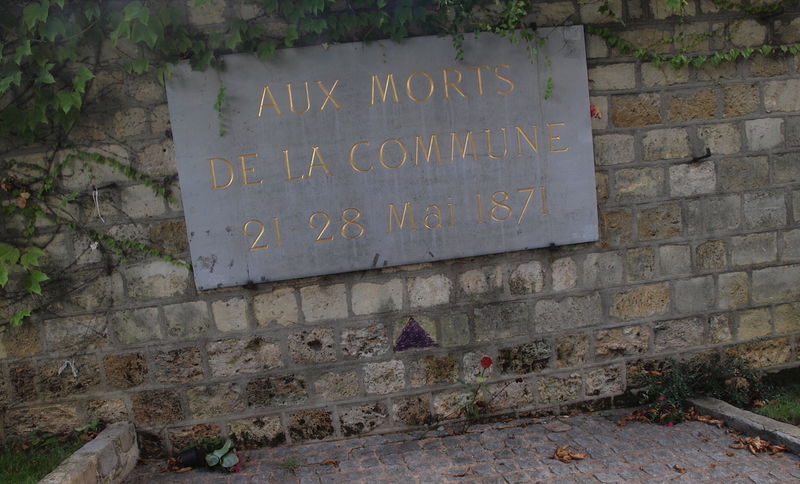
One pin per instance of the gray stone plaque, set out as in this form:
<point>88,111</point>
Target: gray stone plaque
<point>355,156</point>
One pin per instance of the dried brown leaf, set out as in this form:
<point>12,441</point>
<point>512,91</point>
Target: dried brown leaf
<point>467,472</point>
<point>183,469</point>
<point>680,469</point>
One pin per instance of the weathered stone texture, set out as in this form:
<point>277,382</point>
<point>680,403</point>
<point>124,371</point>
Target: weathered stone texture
<point>230,314</point>
<point>336,386</point>
<point>385,377</point>
<point>277,307</point>
<point>432,370</point>
<point>602,381</point>
<point>362,419</point>
<point>762,354</point>
<point>157,407</point>
<point>754,323</point>
<point>320,303</point>
<point>235,356</point>
<point>570,312</point>
<point>276,391</point>
<point>369,298</point>
<point>525,358</point>
<point>776,284</point>
<point>365,342</point>
<point>641,302</point>
<point>698,105</point>
<point>557,390</point>
<point>639,110</point>
<point>501,321</point>
<point>125,370</point>
<point>212,400</point>
<point>413,410</point>
<point>310,425</point>
<point>660,222</point>
<point>617,342</point>
<point>527,278</point>
<point>676,334</point>
<point>257,432</point>
<point>312,346</point>
<point>429,291</point>
<point>178,365</point>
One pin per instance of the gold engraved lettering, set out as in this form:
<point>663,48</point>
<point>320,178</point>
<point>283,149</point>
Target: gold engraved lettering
<point>522,134</point>
<point>489,144</point>
<point>384,91</point>
<point>401,220</point>
<point>504,79</point>
<point>455,139</point>
<point>255,245</point>
<point>351,221</point>
<point>431,215</point>
<point>291,99</point>
<point>274,105</point>
<point>477,70</point>
<point>311,225</point>
<point>352,159</point>
<point>427,151</point>
<point>410,93</point>
<point>245,170</point>
<point>328,95</point>
<point>480,208</point>
<point>276,224</point>
<point>498,204</point>
<point>316,153</point>
<point>530,192</point>
<point>289,176</point>
<point>453,84</point>
<point>452,219</point>
<point>543,195</point>
<point>228,165</point>
<point>553,137</point>
<point>402,148</point>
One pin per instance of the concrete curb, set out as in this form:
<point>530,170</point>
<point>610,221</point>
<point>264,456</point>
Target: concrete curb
<point>751,423</point>
<point>106,459</point>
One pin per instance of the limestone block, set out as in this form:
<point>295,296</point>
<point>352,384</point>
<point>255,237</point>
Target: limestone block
<point>734,290</point>
<point>674,259</point>
<point>638,183</point>
<point>525,358</point>
<point>711,255</point>
<point>413,410</point>
<point>429,291</point>
<point>602,269</point>
<point>677,334</point>
<point>613,149</point>
<point>787,318</point>
<point>687,179</point>
<point>565,274</point>
<point>724,212</point>
<point>661,222</point>
<point>764,134</point>
<point>210,12</point>
<point>775,284</point>
<point>276,391</point>
<point>136,325</point>
<point>276,307</point>
<point>236,356</point>
<point>571,350</point>
<point>618,342</point>
<point>333,386</point>
<point>782,95</point>
<point>640,302</point>
<point>641,263</point>
<point>635,110</point>
<point>187,320</point>
<point>156,279</point>
<point>312,346</point>
<point>527,278</point>
<point>500,321</point>
<point>313,424</point>
<point>324,302</point>
<point>370,298</point>
<point>701,104</point>
<point>743,173</point>
<point>764,209</point>
<point>791,245</point>
<point>604,381</point>
<point>365,342</point>
<point>754,323</point>
<point>694,295</point>
<point>184,436</point>
<point>384,377</point>
<point>657,76</point>
<point>612,76</point>
<point>753,248</point>
<point>719,329</point>
<point>230,314</point>
<point>454,329</point>
<point>762,354</point>
<point>567,313</point>
<point>552,390</point>
<point>740,99</point>
<point>477,282</point>
<point>786,168</point>
<point>721,139</point>
<point>665,144</point>
<point>362,418</point>
<point>252,433</point>
<point>156,407</point>
<point>180,365</point>
<point>125,370</point>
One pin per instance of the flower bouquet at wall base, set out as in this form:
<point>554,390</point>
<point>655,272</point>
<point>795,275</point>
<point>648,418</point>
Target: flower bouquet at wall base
<point>216,453</point>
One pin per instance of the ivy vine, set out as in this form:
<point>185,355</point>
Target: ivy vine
<point>51,52</point>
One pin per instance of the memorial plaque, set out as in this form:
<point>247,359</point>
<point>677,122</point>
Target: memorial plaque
<point>356,156</point>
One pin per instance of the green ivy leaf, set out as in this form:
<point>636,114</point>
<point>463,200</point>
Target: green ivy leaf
<point>137,66</point>
<point>68,100</point>
<point>143,33</point>
<point>31,257</point>
<point>54,28</point>
<point>291,35</point>
<point>45,76</point>
<point>81,78</point>
<point>3,275</point>
<point>91,10</point>
<point>35,12</point>
<point>265,49</point>
<point>9,254</point>
<point>19,316</point>
<point>32,281</point>
<point>23,50</point>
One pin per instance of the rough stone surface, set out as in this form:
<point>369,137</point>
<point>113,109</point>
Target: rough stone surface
<point>557,390</point>
<point>686,180</point>
<point>664,144</point>
<point>156,407</point>
<point>776,284</point>
<point>754,323</point>
<point>676,334</point>
<point>762,354</point>
<point>711,255</point>
<point>230,314</point>
<point>320,303</point>
<point>764,209</point>
<point>617,342</point>
<point>432,370</point>
<point>763,134</point>
<point>429,291</point>
<point>125,371</point>
<point>185,436</point>
<point>208,401</point>
<point>362,419</point>
<point>639,183</point>
<point>310,425</point>
<point>369,298</point>
<point>501,321</point>
<point>257,432</point>
<point>277,307</point>
<point>694,295</point>
<point>235,356</point>
<point>365,342</point>
<point>413,410</point>
<point>613,149</point>
<point>187,320</point>
<point>743,173</point>
<point>527,278</point>
<point>787,318</point>
<point>525,358</point>
<point>385,377</point>
<point>602,381</point>
<point>136,325</point>
<point>337,386</point>
<point>661,222</point>
<point>699,105</point>
<point>178,365</point>
<point>754,249</point>
<point>572,350</point>
<point>570,312</point>
<point>639,110</point>
<point>734,290</point>
<point>312,346</point>
<point>276,391</point>
<point>641,302</point>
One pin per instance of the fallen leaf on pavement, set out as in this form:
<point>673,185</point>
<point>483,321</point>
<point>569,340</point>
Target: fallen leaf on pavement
<point>465,473</point>
<point>729,453</point>
<point>757,445</point>
<point>564,454</point>
<point>691,414</point>
<point>333,462</point>
<point>184,469</point>
<point>679,469</point>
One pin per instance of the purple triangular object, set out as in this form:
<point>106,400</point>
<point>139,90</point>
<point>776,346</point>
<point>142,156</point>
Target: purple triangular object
<point>414,336</point>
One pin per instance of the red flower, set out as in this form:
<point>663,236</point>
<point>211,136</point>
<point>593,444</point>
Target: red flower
<point>594,112</point>
<point>670,424</point>
<point>486,361</point>
<point>661,398</point>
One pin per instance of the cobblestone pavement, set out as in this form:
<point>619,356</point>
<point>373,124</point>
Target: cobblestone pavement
<point>516,451</point>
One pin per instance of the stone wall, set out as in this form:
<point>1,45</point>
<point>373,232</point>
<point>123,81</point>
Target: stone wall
<point>695,255</point>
